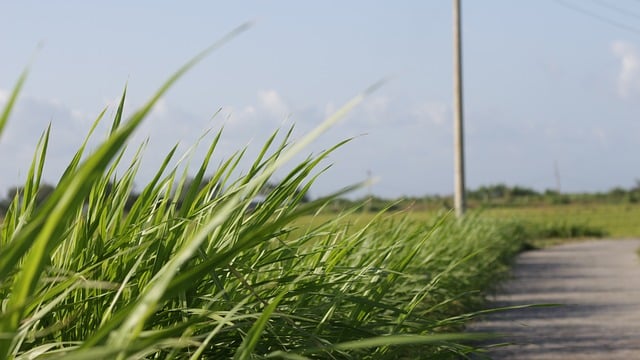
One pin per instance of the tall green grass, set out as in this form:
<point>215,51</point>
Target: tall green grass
<point>197,271</point>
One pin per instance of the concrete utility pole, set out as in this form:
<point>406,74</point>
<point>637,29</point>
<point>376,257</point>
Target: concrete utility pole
<point>458,138</point>
<point>556,170</point>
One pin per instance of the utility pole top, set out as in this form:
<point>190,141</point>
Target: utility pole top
<point>458,140</point>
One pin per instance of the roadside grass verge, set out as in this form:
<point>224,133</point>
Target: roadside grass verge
<point>614,220</point>
<point>545,234</point>
<point>198,271</point>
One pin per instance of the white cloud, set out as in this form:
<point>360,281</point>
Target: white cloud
<point>267,113</point>
<point>601,136</point>
<point>29,119</point>
<point>376,109</point>
<point>272,102</point>
<point>249,110</point>
<point>160,108</point>
<point>165,126</point>
<point>329,109</point>
<point>78,114</point>
<point>239,117</point>
<point>629,74</point>
<point>4,96</point>
<point>435,112</point>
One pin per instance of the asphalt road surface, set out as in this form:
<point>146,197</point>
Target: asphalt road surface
<point>598,283</point>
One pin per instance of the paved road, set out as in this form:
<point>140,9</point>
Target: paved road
<point>599,284</point>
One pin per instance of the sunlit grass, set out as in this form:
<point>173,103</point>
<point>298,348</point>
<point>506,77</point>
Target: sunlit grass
<point>617,220</point>
<point>542,225</point>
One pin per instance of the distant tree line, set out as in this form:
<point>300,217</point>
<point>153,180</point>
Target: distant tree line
<point>483,196</point>
<point>494,196</point>
<point>45,190</point>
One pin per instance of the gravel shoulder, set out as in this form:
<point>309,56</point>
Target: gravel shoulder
<point>598,283</point>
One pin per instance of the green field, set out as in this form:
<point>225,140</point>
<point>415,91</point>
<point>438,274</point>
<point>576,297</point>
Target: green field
<point>616,220</point>
<point>612,220</point>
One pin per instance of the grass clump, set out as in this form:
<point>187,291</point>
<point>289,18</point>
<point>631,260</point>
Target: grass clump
<point>545,234</point>
<point>252,288</point>
<point>199,271</point>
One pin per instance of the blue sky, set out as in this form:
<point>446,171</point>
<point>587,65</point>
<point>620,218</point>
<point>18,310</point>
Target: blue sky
<point>545,84</point>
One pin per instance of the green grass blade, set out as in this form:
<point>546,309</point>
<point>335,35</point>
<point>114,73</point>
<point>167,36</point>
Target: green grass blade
<point>34,175</point>
<point>403,340</point>
<point>118,118</point>
<point>6,112</point>
<point>245,350</point>
<point>194,189</point>
<point>77,157</point>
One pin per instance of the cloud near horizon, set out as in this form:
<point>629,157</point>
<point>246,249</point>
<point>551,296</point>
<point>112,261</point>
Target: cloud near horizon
<point>4,96</point>
<point>395,136</point>
<point>272,102</point>
<point>629,73</point>
<point>438,113</point>
<point>408,145</point>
